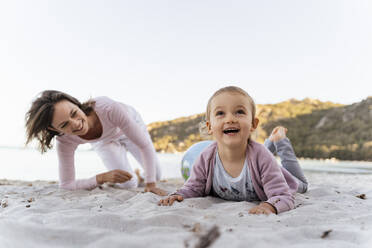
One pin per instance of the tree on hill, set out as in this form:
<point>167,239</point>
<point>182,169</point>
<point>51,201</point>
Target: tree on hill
<point>317,129</point>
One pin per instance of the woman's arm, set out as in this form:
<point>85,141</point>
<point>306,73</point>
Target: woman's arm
<point>120,117</point>
<point>66,152</point>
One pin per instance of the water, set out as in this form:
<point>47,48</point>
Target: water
<point>336,166</point>
<point>29,164</point>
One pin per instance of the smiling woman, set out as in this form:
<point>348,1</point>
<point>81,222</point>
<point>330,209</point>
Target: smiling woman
<point>112,128</point>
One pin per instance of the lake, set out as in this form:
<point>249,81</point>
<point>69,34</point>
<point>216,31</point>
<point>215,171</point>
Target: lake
<point>29,164</point>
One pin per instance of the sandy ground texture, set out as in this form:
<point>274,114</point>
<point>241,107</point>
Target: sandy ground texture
<point>335,212</point>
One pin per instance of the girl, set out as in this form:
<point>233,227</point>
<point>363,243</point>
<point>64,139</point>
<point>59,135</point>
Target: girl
<point>237,168</point>
<point>111,127</point>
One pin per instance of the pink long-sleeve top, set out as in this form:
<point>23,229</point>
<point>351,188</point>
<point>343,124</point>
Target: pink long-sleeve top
<point>116,121</point>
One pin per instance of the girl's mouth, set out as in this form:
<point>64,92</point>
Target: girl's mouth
<point>231,130</point>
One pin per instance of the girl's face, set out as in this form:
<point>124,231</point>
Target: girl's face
<point>231,121</point>
<point>68,118</point>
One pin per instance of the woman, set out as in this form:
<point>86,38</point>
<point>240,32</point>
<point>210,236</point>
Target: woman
<point>111,127</point>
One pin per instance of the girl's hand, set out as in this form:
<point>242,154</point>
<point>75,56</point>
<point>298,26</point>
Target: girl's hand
<point>263,208</point>
<point>170,199</point>
<point>114,176</point>
<point>151,187</point>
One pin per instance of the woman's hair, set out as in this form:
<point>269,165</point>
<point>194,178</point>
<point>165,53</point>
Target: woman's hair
<point>228,89</point>
<point>39,117</point>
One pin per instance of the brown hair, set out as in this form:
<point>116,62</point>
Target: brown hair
<point>230,89</point>
<point>39,117</point>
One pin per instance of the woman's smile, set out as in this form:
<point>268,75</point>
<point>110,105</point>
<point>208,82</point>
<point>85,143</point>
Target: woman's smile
<point>81,126</point>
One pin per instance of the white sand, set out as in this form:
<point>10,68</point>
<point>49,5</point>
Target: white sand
<point>111,217</point>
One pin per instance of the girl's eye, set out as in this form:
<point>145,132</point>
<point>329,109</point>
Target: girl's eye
<point>64,125</point>
<point>219,113</point>
<point>73,113</point>
<point>240,111</point>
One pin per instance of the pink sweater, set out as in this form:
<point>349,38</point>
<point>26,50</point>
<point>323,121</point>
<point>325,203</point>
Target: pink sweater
<point>116,121</point>
<point>272,183</point>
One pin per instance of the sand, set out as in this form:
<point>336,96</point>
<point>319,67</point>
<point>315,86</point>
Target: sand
<point>37,214</point>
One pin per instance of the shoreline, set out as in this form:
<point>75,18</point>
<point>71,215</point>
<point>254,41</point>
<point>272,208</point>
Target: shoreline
<point>86,149</point>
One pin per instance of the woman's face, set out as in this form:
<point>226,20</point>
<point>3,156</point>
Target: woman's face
<point>68,118</point>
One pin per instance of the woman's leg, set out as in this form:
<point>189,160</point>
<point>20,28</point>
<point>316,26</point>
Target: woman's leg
<point>114,156</point>
<point>284,150</point>
<point>136,152</point>
<point>134,149</point>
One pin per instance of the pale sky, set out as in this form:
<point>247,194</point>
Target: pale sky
<point>166,58</point>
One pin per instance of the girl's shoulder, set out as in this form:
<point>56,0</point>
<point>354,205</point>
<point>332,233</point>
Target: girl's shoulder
<point>205,160</point>
<point>207,154</point>
<point>259,154</point>
<point>256,148</point>
<point>209,150</point>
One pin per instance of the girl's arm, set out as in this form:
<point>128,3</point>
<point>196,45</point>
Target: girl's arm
<point>196,184</point>
<point>263,208</point>
<point>274,184</point>
<point>193,187</point>
<point>168,201</point>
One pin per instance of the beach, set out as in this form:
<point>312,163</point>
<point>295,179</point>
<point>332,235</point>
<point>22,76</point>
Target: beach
<point>335,212</point>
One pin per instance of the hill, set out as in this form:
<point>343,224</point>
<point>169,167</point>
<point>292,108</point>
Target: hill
<point>317,129</point>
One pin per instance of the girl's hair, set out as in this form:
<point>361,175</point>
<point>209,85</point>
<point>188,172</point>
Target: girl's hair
<point>230,89</point>
<point>39,117</point>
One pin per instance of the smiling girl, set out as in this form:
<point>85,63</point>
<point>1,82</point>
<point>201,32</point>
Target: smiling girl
<point>237,168</point>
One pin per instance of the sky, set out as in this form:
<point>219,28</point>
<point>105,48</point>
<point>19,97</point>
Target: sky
<point>166,58</point>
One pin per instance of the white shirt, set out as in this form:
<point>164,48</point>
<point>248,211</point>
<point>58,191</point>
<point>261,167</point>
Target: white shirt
<point>238,188</point>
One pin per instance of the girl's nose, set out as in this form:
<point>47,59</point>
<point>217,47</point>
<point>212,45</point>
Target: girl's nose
<point>230,118</point>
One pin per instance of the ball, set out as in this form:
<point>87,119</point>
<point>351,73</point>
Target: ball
<point>191,155</point>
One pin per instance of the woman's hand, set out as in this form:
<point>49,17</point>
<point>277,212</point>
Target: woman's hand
<point>170,199</point>
<point>151,187</point>
<point>114,176</point>
<point>263,208</point>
